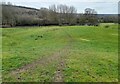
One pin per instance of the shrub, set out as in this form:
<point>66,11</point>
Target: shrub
<point>107,26</point>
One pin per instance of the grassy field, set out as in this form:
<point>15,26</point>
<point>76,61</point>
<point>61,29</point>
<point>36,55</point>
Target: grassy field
<point>66,53</point>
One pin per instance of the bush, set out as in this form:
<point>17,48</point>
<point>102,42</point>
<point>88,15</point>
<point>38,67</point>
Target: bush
<point>107,26</point>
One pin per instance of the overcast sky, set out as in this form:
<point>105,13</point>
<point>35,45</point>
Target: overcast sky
<point>101,6</point>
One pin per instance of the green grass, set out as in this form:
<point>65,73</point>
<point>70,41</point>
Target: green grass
<point>0,56</point>
<point>92,57</point>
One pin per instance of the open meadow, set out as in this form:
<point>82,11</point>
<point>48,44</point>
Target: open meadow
<point>60,54</point>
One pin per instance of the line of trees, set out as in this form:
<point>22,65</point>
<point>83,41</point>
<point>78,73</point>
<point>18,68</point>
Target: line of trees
<point>54,15</point>
<point>57,15</point>
<point>89,17</point>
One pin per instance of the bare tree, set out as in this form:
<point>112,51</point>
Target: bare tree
<point>43,16</point>
<point>53,15</point>
<point>72,15</point>
<point>8,15</point>
<point>66,14</point>
<point>91,17</point>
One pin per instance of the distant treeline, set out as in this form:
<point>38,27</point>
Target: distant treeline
<point>54,15</point>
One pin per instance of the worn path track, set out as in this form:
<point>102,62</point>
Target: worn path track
<point>59,76</point>
<point>57,56</point>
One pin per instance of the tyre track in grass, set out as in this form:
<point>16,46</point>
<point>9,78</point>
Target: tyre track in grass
<point>59,76</point>
<point>45,61</point>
